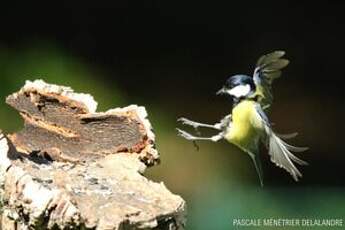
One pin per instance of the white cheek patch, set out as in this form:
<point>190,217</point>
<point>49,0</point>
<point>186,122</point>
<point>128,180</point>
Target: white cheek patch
<point>239,91</point>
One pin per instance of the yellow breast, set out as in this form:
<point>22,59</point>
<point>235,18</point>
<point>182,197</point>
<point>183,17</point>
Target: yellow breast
<point>244,131</point>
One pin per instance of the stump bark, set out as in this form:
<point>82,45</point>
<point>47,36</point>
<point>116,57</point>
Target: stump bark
<point>71,167</point>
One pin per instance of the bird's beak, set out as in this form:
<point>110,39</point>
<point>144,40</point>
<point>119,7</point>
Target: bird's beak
<point>221,91</point>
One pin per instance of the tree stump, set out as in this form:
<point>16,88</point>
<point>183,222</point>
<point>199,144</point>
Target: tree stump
<point>71,167</point>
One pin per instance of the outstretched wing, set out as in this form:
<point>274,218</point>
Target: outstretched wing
<point>280,151</point>
<point>268,68</point>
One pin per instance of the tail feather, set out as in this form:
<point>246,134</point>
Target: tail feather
<point>257,163</point>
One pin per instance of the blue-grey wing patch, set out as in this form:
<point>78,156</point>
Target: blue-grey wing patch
<point>268,68</point>
<point>279,150</point>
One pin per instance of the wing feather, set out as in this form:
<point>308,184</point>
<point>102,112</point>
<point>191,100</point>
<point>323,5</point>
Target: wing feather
<point>268,68</point>
<point>275,65</point>
<point>279,150</point>
<point>267,58</point>
<point>287,136</point>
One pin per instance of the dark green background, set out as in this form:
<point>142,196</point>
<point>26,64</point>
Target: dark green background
<point>172,57</point>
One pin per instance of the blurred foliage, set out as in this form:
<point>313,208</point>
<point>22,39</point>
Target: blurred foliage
<point>53,65</point>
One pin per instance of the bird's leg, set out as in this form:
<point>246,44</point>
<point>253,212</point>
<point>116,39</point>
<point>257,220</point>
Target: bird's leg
<point>196,125</point>
<point>190,137</point>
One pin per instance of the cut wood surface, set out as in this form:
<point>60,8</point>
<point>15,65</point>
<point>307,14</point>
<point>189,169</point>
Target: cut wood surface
<point>71,167</point>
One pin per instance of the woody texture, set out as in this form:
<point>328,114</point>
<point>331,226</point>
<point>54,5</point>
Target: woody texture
<point>71,167</point>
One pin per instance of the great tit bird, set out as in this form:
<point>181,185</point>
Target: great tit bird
<point>248,125</point>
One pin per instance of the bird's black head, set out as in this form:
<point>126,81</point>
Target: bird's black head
<point>238,87</point>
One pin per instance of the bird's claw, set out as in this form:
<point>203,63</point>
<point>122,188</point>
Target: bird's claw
<point>185,135</point>
<point>185,121</point>
<point>189,137</point>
